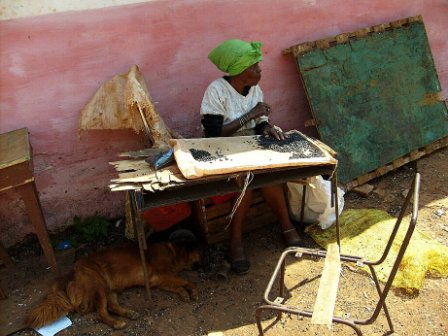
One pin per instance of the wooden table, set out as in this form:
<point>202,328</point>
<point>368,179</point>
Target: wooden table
<point>148,188</point>
<point>16,172</point>
<point>191,190</point>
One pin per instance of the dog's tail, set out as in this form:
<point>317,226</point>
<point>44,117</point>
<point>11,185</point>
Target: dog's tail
<point>55,305</point>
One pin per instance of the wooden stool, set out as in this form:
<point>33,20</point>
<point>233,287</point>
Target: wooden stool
<point>16,171</point>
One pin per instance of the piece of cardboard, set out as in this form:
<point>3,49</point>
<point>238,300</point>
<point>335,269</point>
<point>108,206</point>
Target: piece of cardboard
<point>212,156</point>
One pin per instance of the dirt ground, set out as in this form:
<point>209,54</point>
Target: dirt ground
<point>228,305</point>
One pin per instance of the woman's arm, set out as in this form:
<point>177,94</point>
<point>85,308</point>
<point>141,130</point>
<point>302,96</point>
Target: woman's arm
<point>261,109</point>
<point>213,124</point>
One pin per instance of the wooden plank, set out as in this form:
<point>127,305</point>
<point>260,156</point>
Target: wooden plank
<point>255,223</point>
<point>342,38</point>
<point>400,162</point>
<point>384,170</point>
<point>124,187</point>
<point>14,148</point>
<point>324,43</point>
<point>212,218</point>
<point>16,175</point>
<point>398,23</point>
<point>15,185</point>
<point>350,185</point>
<point>362,32</point>
<point>129,218</point>
<point>415,155</point>
<point>223,209</point>
<point>218,210</point>
<point>328,287</point>
<point>417,18</point>
<point>219,223</point>
<point>363,179</point>
<point>305,47</point>
<point>28,193</point>
<point>381,27</point>
<point>299,49</point>
<point>199,215</point>
<point>412,156</point>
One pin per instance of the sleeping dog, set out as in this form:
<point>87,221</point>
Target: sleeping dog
<point>95,281</point>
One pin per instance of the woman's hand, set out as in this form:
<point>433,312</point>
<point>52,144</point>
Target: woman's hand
<point>261,109</point>
<point>273,131</point>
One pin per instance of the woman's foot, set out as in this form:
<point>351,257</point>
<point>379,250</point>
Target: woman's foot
<point>238,261</point>
<point>292,238</point>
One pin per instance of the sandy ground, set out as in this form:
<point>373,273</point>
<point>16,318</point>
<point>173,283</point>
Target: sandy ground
<point>228,305</point>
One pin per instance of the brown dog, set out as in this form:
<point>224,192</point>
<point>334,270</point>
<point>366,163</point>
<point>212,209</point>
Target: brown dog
<point>95,280</point>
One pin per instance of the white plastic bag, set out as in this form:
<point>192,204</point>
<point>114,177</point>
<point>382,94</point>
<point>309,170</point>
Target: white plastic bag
<point>317,201</point>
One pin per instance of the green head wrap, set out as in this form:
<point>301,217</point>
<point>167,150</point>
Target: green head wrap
<point>235,56</point>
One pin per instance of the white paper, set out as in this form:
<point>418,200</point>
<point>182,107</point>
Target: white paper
<point>55,327</point>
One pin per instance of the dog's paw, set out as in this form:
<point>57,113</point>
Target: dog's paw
<point>132,315</point>
<point>119,324</point>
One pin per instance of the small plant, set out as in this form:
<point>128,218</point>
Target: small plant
<point>90,228</point>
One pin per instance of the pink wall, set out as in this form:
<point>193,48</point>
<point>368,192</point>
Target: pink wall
<point>51,65</point>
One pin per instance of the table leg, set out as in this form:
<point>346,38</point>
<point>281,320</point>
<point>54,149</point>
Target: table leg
<point>29,195</point>
<point>302,208</point>
<point>139,230</point>
<point>335,201</point>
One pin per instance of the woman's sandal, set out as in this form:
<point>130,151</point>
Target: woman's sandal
<point>292,238</point>
<point>238,261</point>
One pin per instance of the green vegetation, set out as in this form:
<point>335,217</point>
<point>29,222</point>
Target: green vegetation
<point>90,228</point>
<point>87,230</point>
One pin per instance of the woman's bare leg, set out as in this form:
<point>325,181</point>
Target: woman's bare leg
<point>236,240</point>
<point>275,197</point>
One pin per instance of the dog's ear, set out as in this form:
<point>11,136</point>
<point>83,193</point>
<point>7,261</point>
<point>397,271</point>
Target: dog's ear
<point>171,248</point>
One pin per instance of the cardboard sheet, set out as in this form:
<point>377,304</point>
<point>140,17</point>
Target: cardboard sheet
<point>211,156</point>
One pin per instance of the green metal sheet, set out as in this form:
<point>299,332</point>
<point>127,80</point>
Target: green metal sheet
<point>374,97</point>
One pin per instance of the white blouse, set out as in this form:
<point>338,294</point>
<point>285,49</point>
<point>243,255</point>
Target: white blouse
<point>221,98</point>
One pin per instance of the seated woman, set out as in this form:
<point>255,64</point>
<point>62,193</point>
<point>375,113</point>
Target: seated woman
<point>233,106</point>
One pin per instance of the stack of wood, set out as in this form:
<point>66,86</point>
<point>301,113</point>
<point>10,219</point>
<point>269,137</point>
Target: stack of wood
<point>213,219</point>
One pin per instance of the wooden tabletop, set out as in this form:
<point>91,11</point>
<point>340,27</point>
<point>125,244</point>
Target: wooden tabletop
<point>14,147</point>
